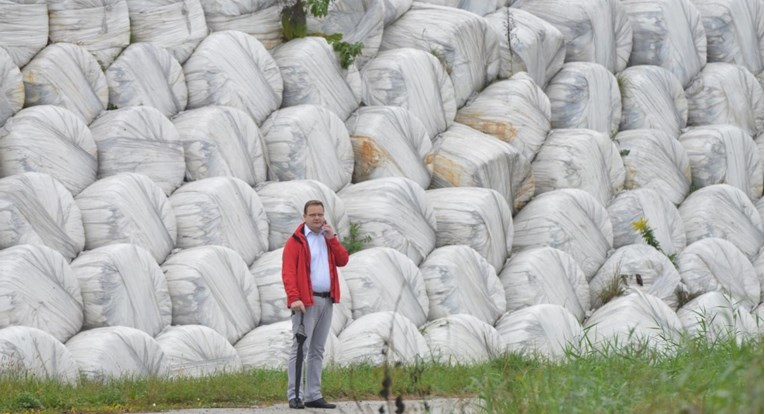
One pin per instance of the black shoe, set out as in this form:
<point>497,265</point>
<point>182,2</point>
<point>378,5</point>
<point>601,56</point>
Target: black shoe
<point>320,403</point>
<point>297,403</point>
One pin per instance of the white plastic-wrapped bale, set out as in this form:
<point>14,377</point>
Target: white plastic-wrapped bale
<point>715,317</point>
<point>51,140</point>
<point>234,69</point>
<point>176,25</point>
<point>516,111</point>
<point>139,139</point>
<point>723,93</point>
<point>459,280</point>
<point>724,154</point>
<point>759,269</point>
<point>395,9</point>
<point>222,211</point>
<point>540,330</point>
<point>147,74</point>
<point>535,46</point>
<point>357,20</point>
<point>760,206</point>
<point>655,159</point>
<point>474,216</point>
<point>734,31</point>
<point>389,141</point>
<point>266,347</point>
<point>479,7</point>
<point>596,31</point>
<point>221,141</point>
<point>463,42</point>
<point>128,208</point>
<point>212,286</point>
<point>571,220</point>
<point>101,26</point>
<point>395,213</point>
<point>11,86</point>
<point>379,338</point>
<point>412,79</point>
<point>637,319</point>
<point>545,275</point>
<point>258,18</point>
<point>714,264</point>
<point>110,353</point>
<point>726,212</point>
<point>27,352</point>
<point>23,28</point>
<point>308,142</point>
<point>37,209</point>
<point>759,316</point>
<point>465,157</point>
<point>39,290</point>
<point>652,98</point>
<point>122,285</point>
<point>585,95</point>
<point>382,279</point>
<point>66,75</point>
<point>462,339</point>
<point>312,75</point>
<point>579,158</point>
<point>284,202</point>
<point>197,351</point>
<point>627,210</point>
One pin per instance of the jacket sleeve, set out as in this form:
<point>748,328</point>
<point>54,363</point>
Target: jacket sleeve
<point>289,272</point>
<point>339,253</point>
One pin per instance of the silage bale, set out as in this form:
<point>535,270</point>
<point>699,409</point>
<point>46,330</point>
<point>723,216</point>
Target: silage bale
<point>176,25</point>
<point>395,9</point>
<point>660,215</point>
<point>479,7</point>
<point>196,351</point>
<point>465,43</point>
<point>66,75</point>
<point>29,353</point>
<point>211,286</point>
<point>389,141</point>
<point>101,26</point>
<point>234,69</point>
<point>128,208</point>
<point>714,317</point>
<point>759,316</point>
<point>258,18</point>
<point>39,210</point>
<point>308,142</point>
<point>655,159</point>
<point>23,28</point>
<point>139,139</point>
<point>222,211</point>
<point>221,141</point>
<point>122,285</point>
<point>550,331</point>
<point>759,270</point>
<point>652,98</point>
<point>51,140</point>
<point>462,339</point>
<point>266,347</point>
<point>357,20</point>
<point>412,79</point>
<point>147,74</point>
<point>545,275</point>
<point>39,290</point>
<point>11,87</point>
<point>516,111</point>
<point>379,338</point>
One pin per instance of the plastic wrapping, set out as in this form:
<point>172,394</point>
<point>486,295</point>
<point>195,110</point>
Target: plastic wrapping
<point>570,220</point>
<point>29,352</point>
<point>258,18</point>
<point>222,141</point>
<point>128,208</point>
<point>139,139</point>
<point>40,291</point>
<point>464,42</point>
<point>197,351</point>
<point>37,209</point>
<point>715,317</point>
<point>540,330</point>
<point>389,141</point>
<point>545,275</point>
<point>51,140</point>
<point>266,347</point>
<point>379,338</point>
<point>233,69</point>
<point>395,9</point>
<point>23,28</point>
<point>515,111</point>
<point>147,74</point>
<point>474,216</point>
<point>308,142</point>
<point>652,98</point>
<point>176,25</point>
<point>662,217</point>
<point>212,286</point>
<point>122,285</point>
<point>222,211</point>
<point>357,20</point>
<point>579,158</point>
<point>414,80</point>
<point>11,87</point>
<point>462,339</point>
<point>395,213</point>
<point>759,316</point>
<point>759,269</point>
<point>655,159</point>
<point>66,75</point>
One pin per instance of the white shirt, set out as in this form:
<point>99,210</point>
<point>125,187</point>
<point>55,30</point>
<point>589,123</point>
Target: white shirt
<point>317,245</point>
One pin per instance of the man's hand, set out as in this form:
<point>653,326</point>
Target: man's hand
<point>329,233</point>
<point>297,306</point>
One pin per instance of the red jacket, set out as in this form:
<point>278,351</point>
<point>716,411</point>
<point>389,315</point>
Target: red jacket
<point>296,268</point>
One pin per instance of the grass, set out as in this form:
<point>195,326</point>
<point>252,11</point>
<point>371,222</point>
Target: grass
<point>700,378</point>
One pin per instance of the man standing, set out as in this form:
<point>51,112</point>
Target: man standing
<point>309,272</point>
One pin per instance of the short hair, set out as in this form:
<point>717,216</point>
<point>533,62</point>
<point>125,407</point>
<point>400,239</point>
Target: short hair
<point>312,203</point>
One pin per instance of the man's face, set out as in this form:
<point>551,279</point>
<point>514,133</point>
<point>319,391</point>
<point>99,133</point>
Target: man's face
<point>314,218</point>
